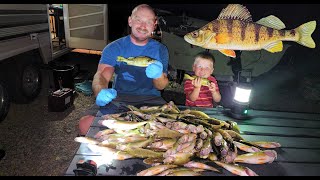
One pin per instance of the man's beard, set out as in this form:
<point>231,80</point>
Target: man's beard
<point>139,38</point>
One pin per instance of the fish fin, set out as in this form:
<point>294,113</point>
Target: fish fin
<point>222,38</point>
<point>272,22</point>
<point>228,52</point>
<point>305,31</point>
<point>235,11</point>
<point>274,47</point>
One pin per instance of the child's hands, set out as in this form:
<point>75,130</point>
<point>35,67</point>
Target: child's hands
<point>212,87</point>
<point>196,82</point>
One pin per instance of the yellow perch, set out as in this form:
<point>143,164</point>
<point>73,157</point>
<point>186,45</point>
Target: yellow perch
<point>237,169</point>
<point>262,157</point>
<point>204,81</point>
<point>155,170</point>
<point>186,172</point>
<point>245,147</point>
<point>140,61</point>
<point>109,153</point>
<point>263,144</point>
<point>235,30</point>
<point>193,164</point>
<point>121,125</point>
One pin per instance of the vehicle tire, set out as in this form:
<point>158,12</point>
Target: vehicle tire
<point>4,102</point>
<point>27,79</point>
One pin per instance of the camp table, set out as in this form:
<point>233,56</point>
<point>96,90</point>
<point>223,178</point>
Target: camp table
<point>298,134</point>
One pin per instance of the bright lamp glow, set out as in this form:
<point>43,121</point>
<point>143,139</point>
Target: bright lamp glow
<point>242,95</point>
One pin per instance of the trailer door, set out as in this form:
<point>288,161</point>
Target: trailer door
<point>86,25</point>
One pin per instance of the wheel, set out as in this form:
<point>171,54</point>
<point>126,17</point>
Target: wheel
<point>31,81</point>
<point>4,102</point>
<point>26,84</point>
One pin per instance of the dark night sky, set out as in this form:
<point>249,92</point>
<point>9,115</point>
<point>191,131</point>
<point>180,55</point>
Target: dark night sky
<point>292,15</point>
<point>288,13</point>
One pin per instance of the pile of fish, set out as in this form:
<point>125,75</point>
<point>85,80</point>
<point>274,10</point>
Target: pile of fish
<point>176,142</point>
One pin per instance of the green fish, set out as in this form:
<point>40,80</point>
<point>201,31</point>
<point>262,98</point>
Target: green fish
<point>140,61</point>
<point>204,81</point>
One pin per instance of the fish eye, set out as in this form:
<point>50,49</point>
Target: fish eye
<point>195,34</point>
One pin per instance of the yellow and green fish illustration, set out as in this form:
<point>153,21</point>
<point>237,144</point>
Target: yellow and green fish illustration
<point>235,30</point>
<point>141,61</point>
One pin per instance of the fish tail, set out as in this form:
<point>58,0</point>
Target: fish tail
<point>305,31</point>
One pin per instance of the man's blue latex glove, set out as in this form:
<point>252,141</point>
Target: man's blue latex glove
<point>154,70</point>
<point>105,96</point>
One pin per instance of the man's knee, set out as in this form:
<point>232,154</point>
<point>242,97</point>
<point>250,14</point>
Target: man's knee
<point>85,123</point>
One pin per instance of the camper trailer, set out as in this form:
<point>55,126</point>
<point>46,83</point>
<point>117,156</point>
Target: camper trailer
<point>34,35</point>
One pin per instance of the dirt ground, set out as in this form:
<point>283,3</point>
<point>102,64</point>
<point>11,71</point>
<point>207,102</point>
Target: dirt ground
<point>41,143</point>
<point>38,142</point>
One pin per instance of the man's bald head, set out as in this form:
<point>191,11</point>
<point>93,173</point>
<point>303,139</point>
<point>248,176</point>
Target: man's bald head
<point>142,6</point>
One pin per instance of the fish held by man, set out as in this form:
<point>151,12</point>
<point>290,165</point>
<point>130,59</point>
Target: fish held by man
<point>235,30</point>
<point>140,61</point>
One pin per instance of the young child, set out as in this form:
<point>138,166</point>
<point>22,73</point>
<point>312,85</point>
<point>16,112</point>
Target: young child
<point>202,95</point>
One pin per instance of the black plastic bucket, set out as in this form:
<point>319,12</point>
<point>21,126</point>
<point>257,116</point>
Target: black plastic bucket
<point>64,74</point>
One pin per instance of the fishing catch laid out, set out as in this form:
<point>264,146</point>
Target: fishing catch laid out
<point>174,142</point>
<point>235,30</point>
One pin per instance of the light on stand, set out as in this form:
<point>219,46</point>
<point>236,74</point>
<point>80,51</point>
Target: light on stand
<point>241,100</point>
